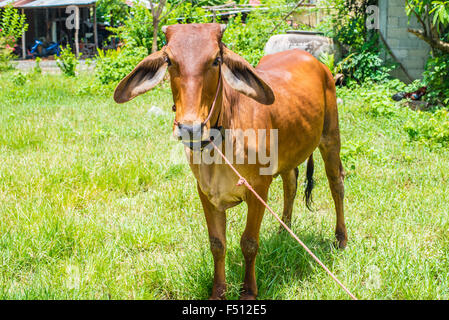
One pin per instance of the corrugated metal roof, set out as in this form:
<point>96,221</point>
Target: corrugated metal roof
<point>57,3</point>
<point>4,3</point>
<point>46,3</point>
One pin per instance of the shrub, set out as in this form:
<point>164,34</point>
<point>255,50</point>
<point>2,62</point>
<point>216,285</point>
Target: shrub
<point>248,39</point>
<point>37,66</point>
<point>67,62</point>
<point>113,65</point>
<point>5,55</point>
<point>360,46</point>
<point>12,26</point>
<point>431,129</point>
<point>136,28</point>
<point>436,77</point>
<point>366,65</point>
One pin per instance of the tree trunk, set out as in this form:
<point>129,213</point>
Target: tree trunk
<point>435,43</point>
<point>155,29</point>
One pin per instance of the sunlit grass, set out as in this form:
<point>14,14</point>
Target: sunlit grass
<point>97,202</point>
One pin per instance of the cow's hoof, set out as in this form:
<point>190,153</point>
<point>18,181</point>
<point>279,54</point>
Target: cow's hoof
<point>218,292</point>
<point>247,296</point>
<point>341,241</point>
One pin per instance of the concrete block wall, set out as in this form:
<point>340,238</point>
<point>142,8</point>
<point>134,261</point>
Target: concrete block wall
<point>410,51</point>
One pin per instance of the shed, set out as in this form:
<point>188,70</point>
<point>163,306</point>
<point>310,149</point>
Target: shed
<point>48,21</point>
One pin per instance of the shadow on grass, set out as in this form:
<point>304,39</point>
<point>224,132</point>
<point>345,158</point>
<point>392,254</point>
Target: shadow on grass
<point>281,262</point>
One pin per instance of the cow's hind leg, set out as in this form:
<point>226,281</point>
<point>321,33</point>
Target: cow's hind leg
<point>335,175</point>
<point>216,226</point>
<point>290,186</point>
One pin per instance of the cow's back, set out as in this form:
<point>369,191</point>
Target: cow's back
<point>299,82</point>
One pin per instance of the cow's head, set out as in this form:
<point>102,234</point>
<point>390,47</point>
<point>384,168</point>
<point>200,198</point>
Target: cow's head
<point>194,56</point>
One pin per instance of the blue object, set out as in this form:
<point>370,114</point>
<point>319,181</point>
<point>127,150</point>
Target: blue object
<point>52,49</point>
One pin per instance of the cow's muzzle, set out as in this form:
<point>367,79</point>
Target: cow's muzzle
<point>192,135</point>
<point>187,132</point>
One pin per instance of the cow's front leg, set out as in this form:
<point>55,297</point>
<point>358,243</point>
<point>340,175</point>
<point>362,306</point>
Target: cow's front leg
<point>250,241</point>
<point>216,225</point>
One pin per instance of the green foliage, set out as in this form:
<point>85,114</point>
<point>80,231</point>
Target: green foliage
<point>5,55</point>
<point>361,55</point>
<point>366,65</point>
<point>113,12</point>
<point>436,77</point>
<point>12,26</point>
<point>248,39</point>
<point>67,61</point>
<point>329,61</point>
<point>437,11</point>
<point>347,21</point>
<point>20,79</point>
<point>37,67</point>
<point>431,129</point>
<point>136,28</point>
<point>434,19</point>
<point>440,13</point>
<point>113,65</point>
<point>187,12</point>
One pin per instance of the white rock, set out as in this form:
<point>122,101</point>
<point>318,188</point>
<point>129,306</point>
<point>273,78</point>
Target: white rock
<point>156,111</point>
<point>312,43</point>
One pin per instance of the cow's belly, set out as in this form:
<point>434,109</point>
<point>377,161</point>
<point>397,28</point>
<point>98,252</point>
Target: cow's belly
<point>297,151</point>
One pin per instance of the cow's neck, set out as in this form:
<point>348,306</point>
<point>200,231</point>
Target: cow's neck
<point>229,98</point>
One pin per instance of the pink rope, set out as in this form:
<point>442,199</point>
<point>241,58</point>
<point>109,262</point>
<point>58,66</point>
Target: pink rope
<point>243,181</point>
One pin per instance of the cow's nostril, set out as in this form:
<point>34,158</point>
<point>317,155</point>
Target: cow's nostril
<point>188,132</point>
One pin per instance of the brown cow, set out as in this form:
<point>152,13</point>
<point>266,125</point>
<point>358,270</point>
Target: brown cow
<point>289,91</point>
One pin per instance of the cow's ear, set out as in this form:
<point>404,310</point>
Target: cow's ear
<point>147,74</point>
<point>241,76</point>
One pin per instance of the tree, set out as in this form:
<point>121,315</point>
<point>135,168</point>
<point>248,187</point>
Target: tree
<point>12,25</point>
<point>156,12</point>
<point>433,16</point>
<point>112,11</point>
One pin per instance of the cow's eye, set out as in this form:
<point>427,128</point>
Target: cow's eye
<point>217,61</point>
<point>167,59</point>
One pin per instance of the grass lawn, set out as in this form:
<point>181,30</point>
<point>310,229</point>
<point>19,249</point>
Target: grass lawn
<point>98,202</point>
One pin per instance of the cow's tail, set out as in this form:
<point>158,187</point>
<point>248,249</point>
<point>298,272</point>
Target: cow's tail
<point>310,183</point>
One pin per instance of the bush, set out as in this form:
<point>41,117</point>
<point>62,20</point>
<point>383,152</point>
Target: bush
<point>37,67</point>
<point>137,28</point>
<point>5,55</point>
<point>431,129</point>
<point>436,77</point>
<point>113,65</point>
<point>12,26</point>
<point>366,65</point>
<point>360,46</point>
<point>67,62</point>
<point>248,39</point>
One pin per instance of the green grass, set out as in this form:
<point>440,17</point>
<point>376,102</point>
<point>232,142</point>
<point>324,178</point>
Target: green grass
<point>97,202</point>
